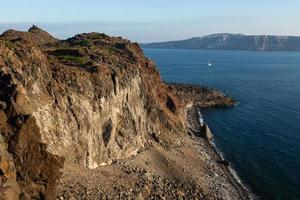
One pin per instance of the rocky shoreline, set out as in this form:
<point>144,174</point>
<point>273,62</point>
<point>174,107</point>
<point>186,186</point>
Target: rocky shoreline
<point>202,97</point>
<point>213,151</point>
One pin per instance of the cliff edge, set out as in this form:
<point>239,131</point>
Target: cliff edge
<point>91,115</point>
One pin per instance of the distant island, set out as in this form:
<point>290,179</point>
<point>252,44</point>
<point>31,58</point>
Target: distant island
<point>229,41</point>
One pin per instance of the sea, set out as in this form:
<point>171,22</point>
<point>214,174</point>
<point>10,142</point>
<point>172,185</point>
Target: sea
<point>260,136</point>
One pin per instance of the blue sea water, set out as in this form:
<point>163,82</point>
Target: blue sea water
<point>260,136</point>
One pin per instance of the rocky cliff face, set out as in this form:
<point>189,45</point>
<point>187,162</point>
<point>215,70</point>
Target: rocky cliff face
<point>90,100</point>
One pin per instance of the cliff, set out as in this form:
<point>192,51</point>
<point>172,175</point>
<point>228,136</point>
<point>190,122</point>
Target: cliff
<point>233,42</point>
<point>70,109</point>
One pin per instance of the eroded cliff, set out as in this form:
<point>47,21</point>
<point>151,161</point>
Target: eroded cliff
<point>88,101</point>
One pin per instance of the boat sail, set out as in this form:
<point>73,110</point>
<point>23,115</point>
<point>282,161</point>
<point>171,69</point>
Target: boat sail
<point>209,63</point>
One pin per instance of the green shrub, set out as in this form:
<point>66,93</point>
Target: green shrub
<point>96,36</point>
<point>81,42</point>
<point>73,59</point>
<point>9,44</point>
<point>67,52</point>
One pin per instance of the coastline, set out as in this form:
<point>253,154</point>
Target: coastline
<point>228,171</point>
<point>232,175</point>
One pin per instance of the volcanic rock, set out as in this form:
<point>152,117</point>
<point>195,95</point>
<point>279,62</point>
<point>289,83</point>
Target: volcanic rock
<point>86,103</point>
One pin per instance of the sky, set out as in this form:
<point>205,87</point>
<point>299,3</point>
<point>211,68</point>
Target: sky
<point>153,20</point>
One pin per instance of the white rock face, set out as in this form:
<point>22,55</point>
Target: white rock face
<point>93,120</point>
<point>76,128</point>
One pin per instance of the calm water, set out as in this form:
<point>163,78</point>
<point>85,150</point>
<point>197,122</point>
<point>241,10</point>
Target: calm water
<point>261,135</point>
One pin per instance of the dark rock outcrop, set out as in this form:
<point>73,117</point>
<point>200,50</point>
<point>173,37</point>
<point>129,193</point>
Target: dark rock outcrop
<point>201,96</point>
<point>34,35</point>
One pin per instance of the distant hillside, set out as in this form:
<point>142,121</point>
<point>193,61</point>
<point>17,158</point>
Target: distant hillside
<point>233,42</point>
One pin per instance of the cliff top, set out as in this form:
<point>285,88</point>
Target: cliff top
<point>84,50</point>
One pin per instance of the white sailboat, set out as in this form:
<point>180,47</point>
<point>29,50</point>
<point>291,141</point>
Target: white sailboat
<point>209,63</point>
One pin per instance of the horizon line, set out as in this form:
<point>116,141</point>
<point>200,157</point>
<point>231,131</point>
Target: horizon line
<point>39,24</point>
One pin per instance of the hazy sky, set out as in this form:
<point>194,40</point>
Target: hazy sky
<point>153,20</point>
